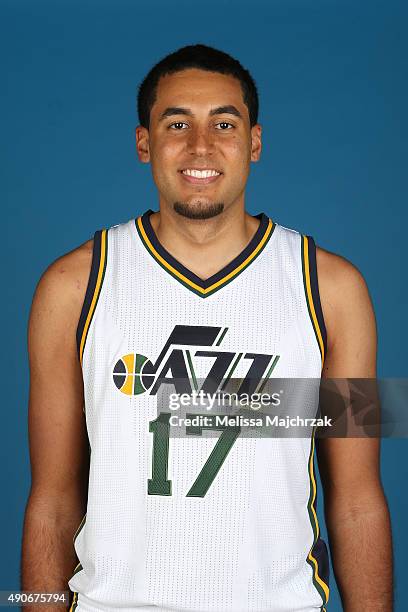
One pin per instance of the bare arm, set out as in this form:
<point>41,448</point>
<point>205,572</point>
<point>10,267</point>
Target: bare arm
<point>355,507</point>
<point>57,432</point>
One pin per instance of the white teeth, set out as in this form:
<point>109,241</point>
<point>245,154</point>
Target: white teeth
<point>200,173</point>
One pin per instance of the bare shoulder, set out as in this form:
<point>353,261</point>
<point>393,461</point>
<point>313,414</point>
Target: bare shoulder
<point>337,272</point>
<point>58,442</point>
<point>60,292</point>
<point>69,273</point>
<point>344,295</point>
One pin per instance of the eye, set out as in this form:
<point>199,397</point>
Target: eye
<point>176,126</point>
<point>224,123</point>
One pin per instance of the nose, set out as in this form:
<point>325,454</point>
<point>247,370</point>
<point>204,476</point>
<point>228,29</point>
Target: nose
<point>200,142</point>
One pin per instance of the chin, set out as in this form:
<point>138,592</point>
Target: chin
<point>198,210</point>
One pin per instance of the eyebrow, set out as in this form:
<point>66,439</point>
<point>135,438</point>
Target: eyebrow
<point>230,109</point>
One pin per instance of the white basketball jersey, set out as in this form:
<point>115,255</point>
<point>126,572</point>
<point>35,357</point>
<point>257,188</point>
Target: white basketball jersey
<point>178,520</point>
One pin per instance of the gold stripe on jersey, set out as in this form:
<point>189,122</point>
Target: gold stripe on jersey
<point>204,291</point>
<point>309,296</point>
<point>321,586</point>
<point>101,272</point>
<point>74,602</point>
<point>78,566</point>
<point>81,524</point>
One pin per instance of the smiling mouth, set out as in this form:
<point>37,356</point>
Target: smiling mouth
<point>200,176</point>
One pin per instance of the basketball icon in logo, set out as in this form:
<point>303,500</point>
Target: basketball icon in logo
<point>133,374</point>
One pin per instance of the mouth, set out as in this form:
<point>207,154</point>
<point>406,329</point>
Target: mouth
<point>200,176</point>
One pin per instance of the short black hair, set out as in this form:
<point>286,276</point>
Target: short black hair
<point>204,58</point>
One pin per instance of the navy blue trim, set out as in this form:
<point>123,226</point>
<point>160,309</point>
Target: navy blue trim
<point>314,285</point>
<point>90,290</point>
<point>230,267</point>
<point>321,555</point>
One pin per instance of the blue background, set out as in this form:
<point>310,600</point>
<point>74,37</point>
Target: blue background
<point>332,78</point>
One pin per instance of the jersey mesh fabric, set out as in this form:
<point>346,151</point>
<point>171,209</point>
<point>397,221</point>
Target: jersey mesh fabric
<point>243,546</point>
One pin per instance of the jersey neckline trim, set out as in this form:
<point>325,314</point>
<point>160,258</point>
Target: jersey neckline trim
<point>186,277</point>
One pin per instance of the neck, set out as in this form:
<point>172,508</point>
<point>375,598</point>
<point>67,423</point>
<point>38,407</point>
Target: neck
<point>204,246</point>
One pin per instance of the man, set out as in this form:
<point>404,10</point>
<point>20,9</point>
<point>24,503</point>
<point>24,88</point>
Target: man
<point>198,289</point>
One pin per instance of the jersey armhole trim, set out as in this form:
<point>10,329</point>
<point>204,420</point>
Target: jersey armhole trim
<point>93,290</point>
<point>318,556</point>
<point>309,269</point>
<point>74,602</point>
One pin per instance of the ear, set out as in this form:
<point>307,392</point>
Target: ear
<point>142,144</point>
<point>256,142</point>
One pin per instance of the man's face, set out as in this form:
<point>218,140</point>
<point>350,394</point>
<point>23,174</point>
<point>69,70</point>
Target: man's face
<point>199,143</point>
